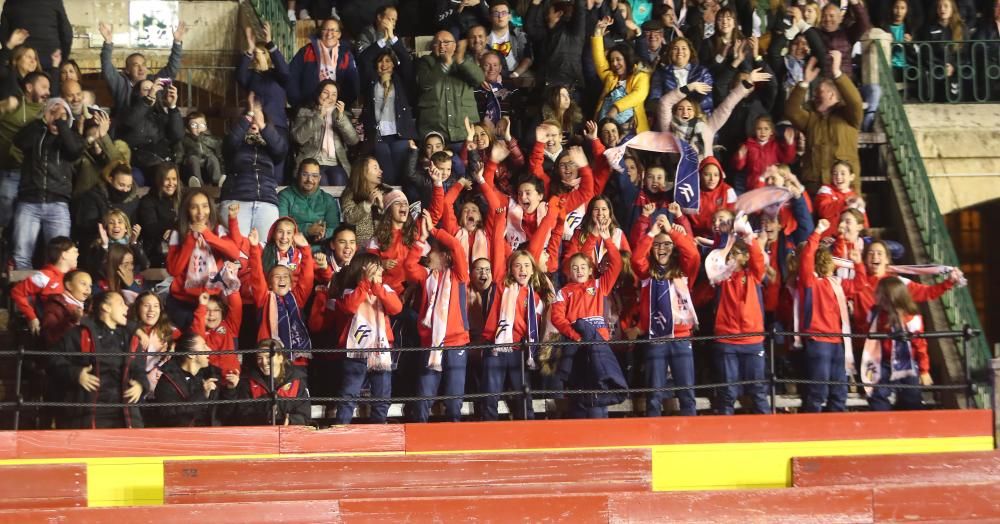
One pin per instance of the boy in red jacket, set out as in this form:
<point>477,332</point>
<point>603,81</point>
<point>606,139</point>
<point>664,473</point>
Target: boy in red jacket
<point>741,310</point>
<point>61,255</point>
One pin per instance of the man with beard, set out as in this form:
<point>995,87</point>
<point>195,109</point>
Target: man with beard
<point>316,211</point>
<point>23,110</point>
<point>72,93</point>
<point>152,126</point>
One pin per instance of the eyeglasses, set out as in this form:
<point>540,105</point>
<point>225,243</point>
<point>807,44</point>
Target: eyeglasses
<point>663,245</point>
<point>309,175</point>
<point>482,270</point>
<point>444,42</point>
<point>500,14</point>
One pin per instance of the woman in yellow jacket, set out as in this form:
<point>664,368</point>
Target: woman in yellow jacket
<point>625,87</point>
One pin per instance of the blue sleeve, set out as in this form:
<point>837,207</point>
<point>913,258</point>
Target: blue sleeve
<point>804,219</point>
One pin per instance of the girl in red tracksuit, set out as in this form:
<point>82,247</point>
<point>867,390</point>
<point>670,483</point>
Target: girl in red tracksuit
<point>280,250</point>
<point>217,320</point>
<point>443,321</point>
<point>741,310</point>
<point>578,314</point>
<point>895,361</point>
<point>823,308</point>
<point>667,261</point>
<point>837,196</point>
<point>763,150</point>
<point>650,213</point>
<point>279,302</point>
<point>193,246</point>
<point>362,320</point>
<point>516,315</point>
<point>715,194</point>
<point>394,234</point>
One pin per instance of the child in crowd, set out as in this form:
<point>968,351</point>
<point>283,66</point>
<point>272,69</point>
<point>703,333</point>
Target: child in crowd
<point>61,256</point>
<point>833,198</point>
<point>201,152</point>
<point>64,311</point>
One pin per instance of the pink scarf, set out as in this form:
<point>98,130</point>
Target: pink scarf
<point>845,324</point>
<point>515,233</point>
<point>327,60</point>
<point>329,136</point>
<point>368,330</point>
<point>438,289</point>
<point>476,245</point>
<point>762,198</point>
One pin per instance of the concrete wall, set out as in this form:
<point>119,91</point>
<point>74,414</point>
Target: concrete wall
<point>959,145</point>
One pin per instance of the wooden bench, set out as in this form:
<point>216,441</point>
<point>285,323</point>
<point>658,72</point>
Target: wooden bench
<point>43,486</point>
<point>552,472</point>
<point>261,512</point>
<point>916,468</point>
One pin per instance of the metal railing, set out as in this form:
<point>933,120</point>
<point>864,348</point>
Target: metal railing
<point>922,70</point>
<point>282,31</point>
<point>958,305</point>
<point>969,386</point>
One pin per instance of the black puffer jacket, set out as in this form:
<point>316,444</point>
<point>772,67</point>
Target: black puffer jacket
<point>156,215</point>
<point>292,403</point>
<point>46,22</point>
<point>47,169</point>
<point>151,131</point>
<point>559,50</point>
<point>252,176</point>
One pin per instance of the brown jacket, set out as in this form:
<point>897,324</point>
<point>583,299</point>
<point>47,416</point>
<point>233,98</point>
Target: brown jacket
<point>829,137</point>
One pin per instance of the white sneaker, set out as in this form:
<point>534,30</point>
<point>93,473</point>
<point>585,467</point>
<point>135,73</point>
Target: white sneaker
<point>333,13</point>
<point>291,15</point>
<point>222,180</point>
<point>304,15</point>
<point>194,182</point>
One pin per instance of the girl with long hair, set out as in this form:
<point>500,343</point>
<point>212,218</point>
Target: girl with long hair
<point>290,387</point>
<point>153,333</point>
<point>625,85</point>
<point>158,211</point>
<point>362,199</point>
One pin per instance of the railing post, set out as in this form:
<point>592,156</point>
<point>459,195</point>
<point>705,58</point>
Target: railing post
<point>525,383</point>
<point>17,386</point>
<point>970,388</point>
<point>270,380</point>
<point>995,400</point>
<point>771,345</point>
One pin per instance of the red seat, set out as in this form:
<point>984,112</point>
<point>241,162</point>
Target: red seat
<point>916,468</point>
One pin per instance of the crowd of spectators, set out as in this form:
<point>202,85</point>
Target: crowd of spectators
<point>618,174</point>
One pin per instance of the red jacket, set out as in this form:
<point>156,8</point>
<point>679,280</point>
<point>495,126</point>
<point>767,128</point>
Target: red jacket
<point>919,345</point>
<point>722,197</point>
<point>819,311</point>
<point>397,251</point>
<point>347,306</point>
<point>46,282</point>
<point>741,306</point>
<point>578,300</point>
<point>58,316</point>
<point>590,247</point>
<point>457,332</point>
<point>261,289</point>
<point>865,295</point>
<point>830,203</point>
<point>179,254</point>
<point>762,156</point>
<point>690,263</point>
<point>223,337</point>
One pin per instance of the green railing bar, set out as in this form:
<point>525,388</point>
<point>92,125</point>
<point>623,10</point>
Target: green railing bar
<point>282,31</point>
<point>922,66</point>
<point>959,307</point>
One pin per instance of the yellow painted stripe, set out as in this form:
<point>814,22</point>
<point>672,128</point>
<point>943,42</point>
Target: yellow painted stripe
<point>129,481</point>
<point>768,464</point>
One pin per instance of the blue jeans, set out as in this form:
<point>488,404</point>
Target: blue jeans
<point>906,398</point>
<point>450,380</point>
<point>253,215</point>
<point>392,153</point>
<point>333,176</point>
<point>9,180</point>
<point>680,359</point>
<point>504,367</point>
<point>355,374</point>
<point>52,219</point>
<point>824,361</point>
<point>739,362</point>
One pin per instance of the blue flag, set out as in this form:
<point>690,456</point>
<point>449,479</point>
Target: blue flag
<point>687,182</point>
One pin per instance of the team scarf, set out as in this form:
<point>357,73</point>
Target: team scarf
<point>285,320</point>
<point>600,248</point>
<point>926,269</point>
<point>768,199</point>
<point>272,256</point>
<point>903,364</point>
<point>515,234</point>
<point>369,330</point>
<point>669,305</point>
<point>475,244</point>
<point>504,336</point>
<point>845,324</point>
<point>438,291</point>
<point>687,182</point>
<point>573,221</point>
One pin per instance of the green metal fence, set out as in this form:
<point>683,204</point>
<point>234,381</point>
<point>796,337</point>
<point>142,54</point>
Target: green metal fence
<point>958,304</point>
<point>282,31</point>
<point>948,71</point>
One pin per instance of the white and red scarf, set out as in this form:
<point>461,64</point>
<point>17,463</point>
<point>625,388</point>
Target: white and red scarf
<point>369,330</point>
<point>438,295</point>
